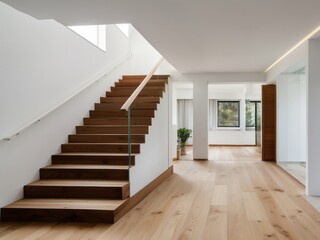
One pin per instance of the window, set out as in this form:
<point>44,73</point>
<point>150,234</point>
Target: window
<point>96,34</point>
<point>253,115</point>
<point>250,114</point>
<point>124,28</point>
<point>228,113</point>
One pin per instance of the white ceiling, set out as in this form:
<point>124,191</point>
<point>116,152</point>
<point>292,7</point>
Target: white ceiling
<point>197,36</point>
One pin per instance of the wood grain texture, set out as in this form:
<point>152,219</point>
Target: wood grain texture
<point>269,123</point>
<point>218,218</point>
<point>220,195</point>
<point>93,158</point>
<point>181,207</point>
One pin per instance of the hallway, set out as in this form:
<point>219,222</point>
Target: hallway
<point>246,199</point>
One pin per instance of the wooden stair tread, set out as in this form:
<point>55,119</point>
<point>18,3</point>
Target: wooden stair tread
<point>119,118</point>
<point>79,166</point>
<point>79,183</point>
<point>107,134</point>
<point>134,113</point>
<point>112,126</point>
<point>130,87</point>
<point>122,100</point>
<point>106,144</point>
<point>68,203</point>
<point>95,154</point>
<point>143,76</point>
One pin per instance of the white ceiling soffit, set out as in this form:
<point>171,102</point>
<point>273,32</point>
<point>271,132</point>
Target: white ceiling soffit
<point>201,35</point>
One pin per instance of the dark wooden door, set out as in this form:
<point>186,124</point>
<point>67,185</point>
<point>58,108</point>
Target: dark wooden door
<point>269,123</point>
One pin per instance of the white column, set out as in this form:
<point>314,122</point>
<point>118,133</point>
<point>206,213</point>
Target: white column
<point>313,119</point>
<point>200,120</point>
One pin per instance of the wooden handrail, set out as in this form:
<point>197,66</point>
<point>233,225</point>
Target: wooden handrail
<point>136,92</point>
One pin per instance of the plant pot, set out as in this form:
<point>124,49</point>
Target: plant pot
<point>183,150</point>
<point>178,153</point>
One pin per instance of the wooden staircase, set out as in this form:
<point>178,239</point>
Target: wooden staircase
<point>89,180</point>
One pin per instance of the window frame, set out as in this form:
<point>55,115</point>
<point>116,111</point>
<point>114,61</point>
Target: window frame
<point>239,115</point>
<point>248,128</point>
<point>255,114</point>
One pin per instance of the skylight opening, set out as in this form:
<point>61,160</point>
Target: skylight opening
<point>124,28</point>
<point>95,34</point>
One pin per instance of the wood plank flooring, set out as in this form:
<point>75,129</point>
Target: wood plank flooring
<point>217,200</point>
<point>222,153</point>
<point>296,170</point>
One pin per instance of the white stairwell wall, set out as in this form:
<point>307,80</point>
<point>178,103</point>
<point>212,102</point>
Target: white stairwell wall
<point>42,64</point>
<point>154,153</point>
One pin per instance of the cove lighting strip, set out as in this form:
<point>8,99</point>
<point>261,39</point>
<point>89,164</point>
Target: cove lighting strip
<point>295,47</point>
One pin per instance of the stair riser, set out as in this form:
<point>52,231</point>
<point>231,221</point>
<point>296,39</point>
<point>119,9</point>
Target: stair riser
<point>69,148</point>
<point>117,121</point>
<point>142,77</point>
<point>122,100</point>
<point>57,215</point>
<point>128,83</point>
<point>76,192</point>
<point>133,88</point>
<point>112,114</point>
<point>101,174</point>
<point>106,138</point>
<point>99,160</point>
<point>117,107</point>
<point>148,93</point>
<point>110,130</point>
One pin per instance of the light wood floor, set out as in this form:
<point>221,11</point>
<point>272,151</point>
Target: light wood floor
<point>227,153</point>
<point>296,170</point>
<point>216,200</point>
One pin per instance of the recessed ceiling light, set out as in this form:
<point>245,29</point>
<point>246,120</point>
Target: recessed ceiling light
<point>294,47</point>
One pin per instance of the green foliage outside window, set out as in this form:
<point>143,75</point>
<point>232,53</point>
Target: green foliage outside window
<point>228,114</point>
<point>250,112</point>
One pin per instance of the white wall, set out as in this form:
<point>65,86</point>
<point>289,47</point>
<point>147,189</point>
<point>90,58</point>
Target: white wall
<point>241,78</point>
<point>144,56</point>
<point>42,64</point>
<point>313,119</point>
<point>156,154</point>
<point>281,118</point>
<point>172,126</point>
<point>154,157</point>
<point>200,120</point>
<point>291,118</point>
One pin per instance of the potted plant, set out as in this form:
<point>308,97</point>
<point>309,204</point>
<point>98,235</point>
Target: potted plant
<point>183,135</point>
<point>178,150</point>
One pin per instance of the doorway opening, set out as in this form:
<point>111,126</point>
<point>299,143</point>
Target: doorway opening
<point>234,119</point>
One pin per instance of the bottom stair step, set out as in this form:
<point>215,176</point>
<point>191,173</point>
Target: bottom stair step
<point>77,189</point>
<point>62,210</point>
